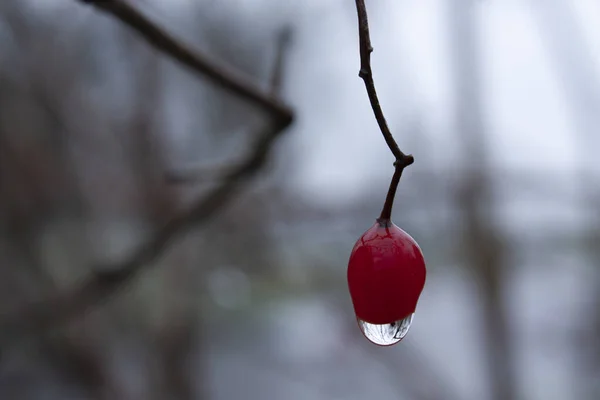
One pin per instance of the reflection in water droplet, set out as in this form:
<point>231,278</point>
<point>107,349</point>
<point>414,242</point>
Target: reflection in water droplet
<point>386,334</point>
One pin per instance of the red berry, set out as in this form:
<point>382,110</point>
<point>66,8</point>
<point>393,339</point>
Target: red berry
<point>386,275</point>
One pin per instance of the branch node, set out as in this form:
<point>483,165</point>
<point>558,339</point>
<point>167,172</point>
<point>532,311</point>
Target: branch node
<point>404,161</point>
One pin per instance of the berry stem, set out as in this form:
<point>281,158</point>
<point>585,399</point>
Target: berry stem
<point>386,212</point>
<point>402,160</point>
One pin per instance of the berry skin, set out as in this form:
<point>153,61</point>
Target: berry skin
<point>386,274</point>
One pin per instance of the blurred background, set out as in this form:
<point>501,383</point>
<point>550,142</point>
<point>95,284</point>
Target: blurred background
<point>499,103</point>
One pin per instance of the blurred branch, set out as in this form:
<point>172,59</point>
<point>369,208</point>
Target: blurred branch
<point>402,160</point>
<point>576,67</point>
<point>485,244</point>
<point>366,74</point>
<point>38,317</point>
<point>221,75</point>
<point>212,173</point>
<point>284,42</point>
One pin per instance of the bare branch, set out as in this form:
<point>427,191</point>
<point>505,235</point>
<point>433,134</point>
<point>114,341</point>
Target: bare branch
<point>221,75</point>
<point>196,174</point>
<point>285,38</point>
<point>402,160</point>
<point>366,74</point>
<point>39,317</point>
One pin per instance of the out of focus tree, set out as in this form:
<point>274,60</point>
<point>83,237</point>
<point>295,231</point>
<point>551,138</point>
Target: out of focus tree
<point>482,241</point>
<point>576,70</point>
<point>85,146</point>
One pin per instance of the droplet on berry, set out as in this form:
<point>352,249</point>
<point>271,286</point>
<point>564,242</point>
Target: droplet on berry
<point>386,275</point>
<point>386,334</point>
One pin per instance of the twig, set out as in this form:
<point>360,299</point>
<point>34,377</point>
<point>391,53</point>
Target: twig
<point>37,318</point>
<point>402,160</point>
<point>220,74</point>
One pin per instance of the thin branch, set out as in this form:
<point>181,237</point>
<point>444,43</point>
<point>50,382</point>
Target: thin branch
<point>386,212</point>
<point>220,74</point>
<point>285,39</point>
<point>39,317</point>
<point>402,160</point>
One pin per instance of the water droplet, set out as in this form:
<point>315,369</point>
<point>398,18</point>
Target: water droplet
<point>386,334</point>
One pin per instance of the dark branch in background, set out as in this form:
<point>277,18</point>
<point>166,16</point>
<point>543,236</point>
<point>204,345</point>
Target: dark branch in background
<point>402,160</point>
<point>196,174</point>
<point>220,74</point>
<point>39,317</point>
<point>285,39</point>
